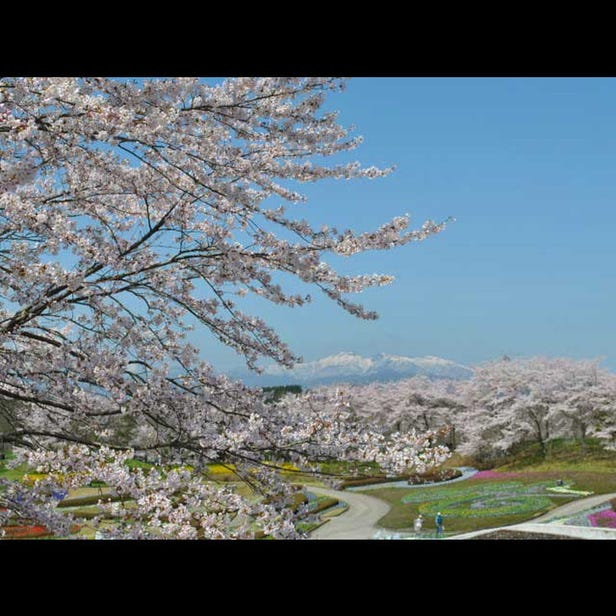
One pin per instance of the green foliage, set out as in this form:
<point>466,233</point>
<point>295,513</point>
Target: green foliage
<point>275,392</point>
<point>138,464</point>
<point>97,484</point>
<point>12,473</point>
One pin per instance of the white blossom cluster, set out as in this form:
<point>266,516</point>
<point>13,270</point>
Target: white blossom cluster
<point>132,212</point>
<point>504,403</point>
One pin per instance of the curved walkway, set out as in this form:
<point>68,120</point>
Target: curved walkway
<point>574,507</point>
<point>358,522</point>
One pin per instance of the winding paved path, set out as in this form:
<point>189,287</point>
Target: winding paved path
<point>570,509</point>
<point>358,522</point>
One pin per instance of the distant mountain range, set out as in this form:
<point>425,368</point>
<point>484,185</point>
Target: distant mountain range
<point>353,368</point>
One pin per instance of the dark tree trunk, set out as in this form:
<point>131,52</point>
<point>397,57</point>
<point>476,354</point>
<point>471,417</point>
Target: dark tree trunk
<point>582,432</point>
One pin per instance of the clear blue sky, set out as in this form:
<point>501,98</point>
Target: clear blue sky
<point>527,167</point>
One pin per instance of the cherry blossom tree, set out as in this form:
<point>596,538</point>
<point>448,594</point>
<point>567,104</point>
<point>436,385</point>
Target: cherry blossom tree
<point>512,401</point>
<point>132,212</point>
<point>413,405</point>
<point>505,403</point>
<point>588,398</point>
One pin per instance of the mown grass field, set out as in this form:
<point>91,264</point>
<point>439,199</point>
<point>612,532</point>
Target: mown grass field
<point>563,455</point>
<point>402,514</point>
<point>591,469</point>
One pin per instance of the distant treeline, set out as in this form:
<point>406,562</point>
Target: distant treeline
<point>276,392</point>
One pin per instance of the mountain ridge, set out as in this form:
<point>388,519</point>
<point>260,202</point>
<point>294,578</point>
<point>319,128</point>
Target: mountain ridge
<point>349,367</point>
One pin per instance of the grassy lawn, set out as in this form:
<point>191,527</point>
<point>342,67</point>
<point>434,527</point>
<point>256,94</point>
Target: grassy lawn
<point>11,473</point>
<point>564,454</point>
<point>474,504</point>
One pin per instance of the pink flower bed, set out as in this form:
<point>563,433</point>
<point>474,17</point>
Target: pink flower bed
<point>495,475</point>
<point>604,519</point>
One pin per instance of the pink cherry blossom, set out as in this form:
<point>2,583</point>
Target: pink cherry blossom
<point>132,212</point>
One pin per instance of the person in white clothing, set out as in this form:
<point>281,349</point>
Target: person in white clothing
<point>418,524</point>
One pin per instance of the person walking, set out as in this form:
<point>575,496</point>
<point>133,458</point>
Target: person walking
<point>417,524</point>
<point>438,520</point>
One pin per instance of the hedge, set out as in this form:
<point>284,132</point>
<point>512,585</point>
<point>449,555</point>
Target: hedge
<point>323,504</point>
<point>365,481</point>
<point>446,474</point>
<point>92,500</point>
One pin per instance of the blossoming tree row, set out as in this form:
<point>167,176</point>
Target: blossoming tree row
<point>506,402</point>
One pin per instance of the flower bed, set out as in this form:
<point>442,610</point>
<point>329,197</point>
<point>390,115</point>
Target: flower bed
<point>582,518</point>
<point>30,531</point>
<point>25,532</point>
<point>483,500</point>
<point>603,519</point>
<point>488,506</point>
<point>474,491</point>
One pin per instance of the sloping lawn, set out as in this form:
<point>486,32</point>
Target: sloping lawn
<point>487,502</point>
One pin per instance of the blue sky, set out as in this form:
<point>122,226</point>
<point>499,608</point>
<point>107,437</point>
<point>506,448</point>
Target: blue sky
<point>526,166</point>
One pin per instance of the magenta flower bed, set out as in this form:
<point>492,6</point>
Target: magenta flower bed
<point>495,475</point>
<point>604,519</point>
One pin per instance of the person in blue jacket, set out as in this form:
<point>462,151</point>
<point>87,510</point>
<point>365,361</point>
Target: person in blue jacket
<point>438,520</point>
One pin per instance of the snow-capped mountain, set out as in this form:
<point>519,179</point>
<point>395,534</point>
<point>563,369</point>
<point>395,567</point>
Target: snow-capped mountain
<point>353,368</point>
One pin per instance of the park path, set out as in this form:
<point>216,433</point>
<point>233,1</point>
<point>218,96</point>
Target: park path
<point>358,522</point>
<point>570,509</point>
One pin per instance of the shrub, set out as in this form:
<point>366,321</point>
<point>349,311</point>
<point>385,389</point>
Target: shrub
<point>435,476</point>
<point>97,484</point>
